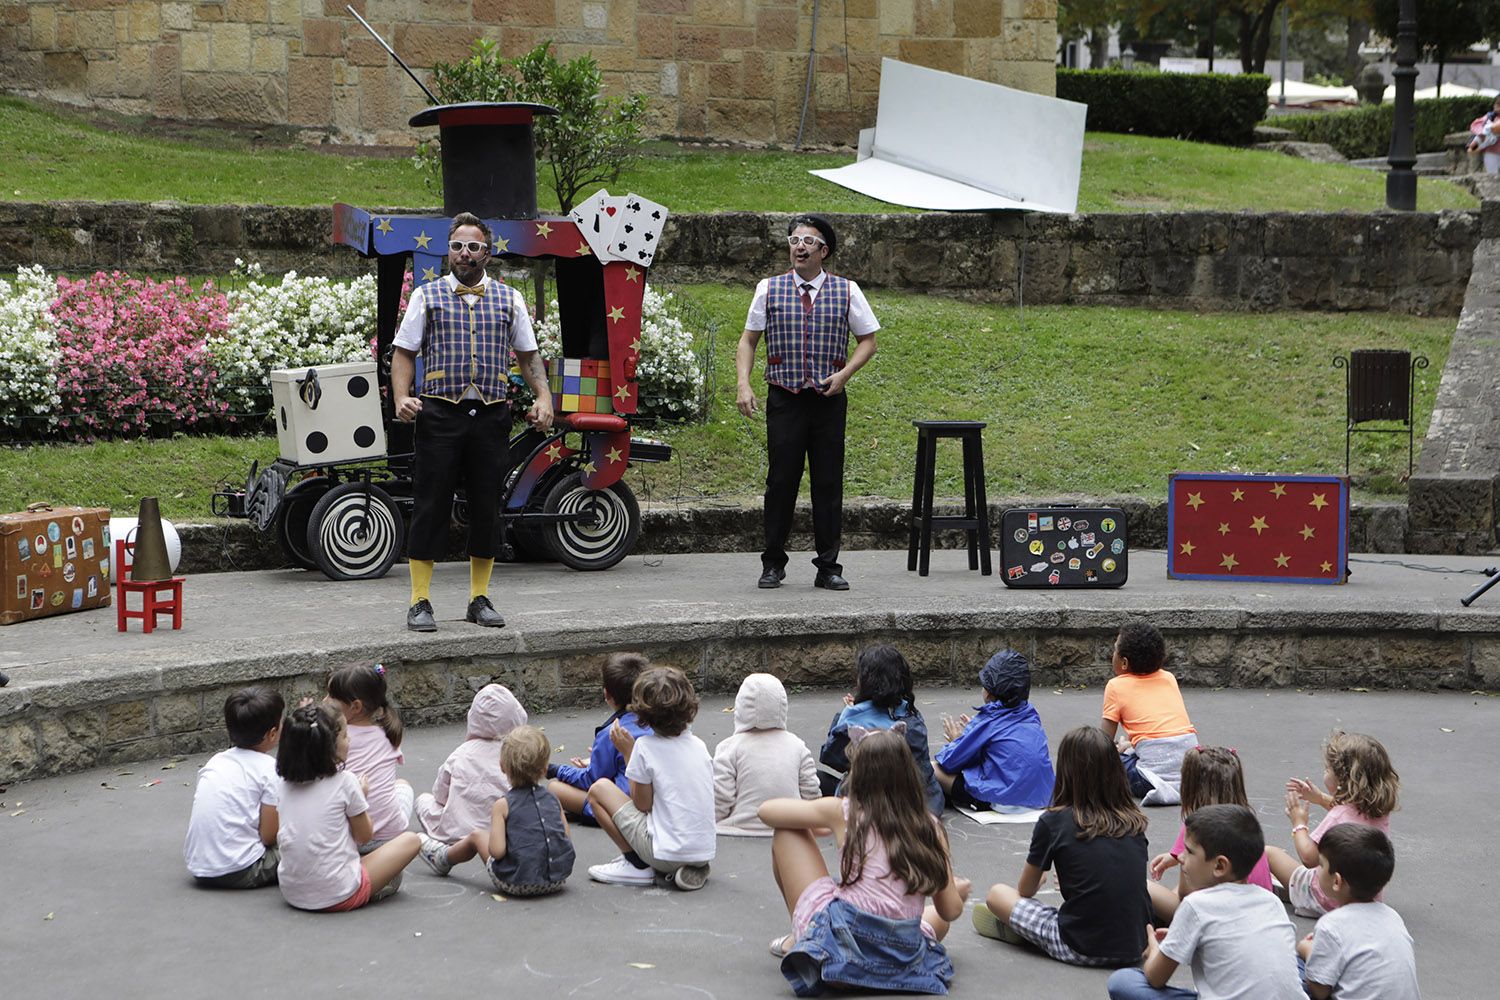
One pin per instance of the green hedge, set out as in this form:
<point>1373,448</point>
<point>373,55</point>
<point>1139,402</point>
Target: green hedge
<point>1364,132</point>
<point>1207,107</point>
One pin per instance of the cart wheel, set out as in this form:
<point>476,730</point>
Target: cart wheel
<point>617,523</point>
<point>530,544</point>
<point>350,542</point>
<point>292,518</point>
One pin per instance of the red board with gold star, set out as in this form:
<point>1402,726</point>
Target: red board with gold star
<point>1271,529</point>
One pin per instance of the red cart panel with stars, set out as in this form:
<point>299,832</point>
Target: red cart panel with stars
<point>1260,528</point>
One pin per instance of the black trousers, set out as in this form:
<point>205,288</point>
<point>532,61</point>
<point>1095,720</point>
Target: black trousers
<point>804,427</point>
<point>468,442</point>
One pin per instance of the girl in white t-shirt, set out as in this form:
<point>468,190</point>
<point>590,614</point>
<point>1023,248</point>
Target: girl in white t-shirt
<point>375,729</point>
<point>324,817</point>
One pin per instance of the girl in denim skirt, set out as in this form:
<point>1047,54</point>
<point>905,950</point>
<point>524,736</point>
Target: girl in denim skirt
<point>867,927</point>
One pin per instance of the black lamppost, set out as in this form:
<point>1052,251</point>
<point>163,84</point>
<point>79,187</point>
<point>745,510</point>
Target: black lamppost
<point>1401,182</point>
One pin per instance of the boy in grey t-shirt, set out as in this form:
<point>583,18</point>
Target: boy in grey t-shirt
<point>1236,935</point>
<point>1361,950</point>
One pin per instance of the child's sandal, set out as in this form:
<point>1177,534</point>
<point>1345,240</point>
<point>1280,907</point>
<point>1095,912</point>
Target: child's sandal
<point>779,946</point>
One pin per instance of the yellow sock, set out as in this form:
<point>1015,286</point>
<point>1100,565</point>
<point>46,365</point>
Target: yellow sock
<point>421,579</point>
<point>479,576</point>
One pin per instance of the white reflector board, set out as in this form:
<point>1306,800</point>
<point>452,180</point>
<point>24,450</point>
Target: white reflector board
<point>952,143</point>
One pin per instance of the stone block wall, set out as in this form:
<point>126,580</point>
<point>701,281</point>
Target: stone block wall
<point>720,69</point>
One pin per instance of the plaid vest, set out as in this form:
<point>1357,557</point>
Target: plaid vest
<point>804,348</point>
<point>466,341</point>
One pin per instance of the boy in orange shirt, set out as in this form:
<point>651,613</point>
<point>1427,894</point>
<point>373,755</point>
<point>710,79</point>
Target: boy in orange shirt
<point>1144,700</point>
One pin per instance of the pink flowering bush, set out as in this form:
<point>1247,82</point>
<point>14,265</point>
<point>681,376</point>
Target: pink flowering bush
<point>133,357</point>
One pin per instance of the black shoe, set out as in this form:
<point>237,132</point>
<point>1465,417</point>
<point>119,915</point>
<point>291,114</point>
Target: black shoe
<point>831,581</point>
<point>771,578</point>
<point>482,612</point>
<point>419,617</point>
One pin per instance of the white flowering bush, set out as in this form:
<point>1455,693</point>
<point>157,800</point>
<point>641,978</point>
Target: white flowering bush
<point>29,352</point>
<point>669,373</point>
<point>294,323</point>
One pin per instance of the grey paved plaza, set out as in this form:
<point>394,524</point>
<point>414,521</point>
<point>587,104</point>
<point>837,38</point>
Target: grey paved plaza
<point>96,902</point>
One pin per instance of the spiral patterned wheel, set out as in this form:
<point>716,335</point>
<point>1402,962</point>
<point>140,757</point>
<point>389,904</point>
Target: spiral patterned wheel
<point>609,538</point>
<point>355,532</point>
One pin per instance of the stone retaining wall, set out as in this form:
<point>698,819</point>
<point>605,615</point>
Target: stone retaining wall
<point>1212,261</point>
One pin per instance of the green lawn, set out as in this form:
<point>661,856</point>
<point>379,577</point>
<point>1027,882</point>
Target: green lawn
<point>55,155</point>
<point>1095,401</point>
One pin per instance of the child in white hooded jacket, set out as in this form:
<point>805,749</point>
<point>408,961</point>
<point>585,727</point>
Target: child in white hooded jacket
<point>470,780</point>
<point>760,761</point>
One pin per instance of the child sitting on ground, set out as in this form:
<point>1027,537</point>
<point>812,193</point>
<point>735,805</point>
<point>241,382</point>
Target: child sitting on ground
<point>1360,949</point>
<point>1211,776</point>
<point>1143,699</point>
<point>1362,787</point>
<point>572,781</point>
<point>1095,836</point>
<point>867,928</point>
<point>1237,936</point>
<point>325,817</point>
<point>999,758</point>
<point>525,847</point>
<point>761,761</point>
<point>666,823</point>
<point>882,697</point>
<point>231,837</point>
<point>359,692</point>
<point>471,779</point>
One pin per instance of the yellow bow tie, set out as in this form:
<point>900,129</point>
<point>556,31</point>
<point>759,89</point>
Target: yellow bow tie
<point>466,290</point>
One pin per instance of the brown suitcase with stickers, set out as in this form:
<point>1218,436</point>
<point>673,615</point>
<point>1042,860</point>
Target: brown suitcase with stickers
<point>52,561</point>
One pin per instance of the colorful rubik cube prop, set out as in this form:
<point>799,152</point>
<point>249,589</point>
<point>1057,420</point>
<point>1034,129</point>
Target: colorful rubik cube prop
<point>581,385</point>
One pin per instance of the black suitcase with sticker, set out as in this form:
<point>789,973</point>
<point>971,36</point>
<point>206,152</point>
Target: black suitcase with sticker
<point>1064,547</point>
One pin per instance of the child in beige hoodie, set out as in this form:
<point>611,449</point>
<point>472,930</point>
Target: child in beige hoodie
<point>760,761</point>
<point>470,780</point>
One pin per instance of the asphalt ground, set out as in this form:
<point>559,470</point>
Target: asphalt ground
<point>95,902</point>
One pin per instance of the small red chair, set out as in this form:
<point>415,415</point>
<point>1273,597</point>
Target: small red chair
<point>153,603</point>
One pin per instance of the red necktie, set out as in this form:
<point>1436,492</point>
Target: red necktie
<point>807,296</point>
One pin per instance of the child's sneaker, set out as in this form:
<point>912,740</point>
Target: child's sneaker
<point>990,926</point>
<point>690,877</point>
<point>621,872</point>
<point>435,853</point>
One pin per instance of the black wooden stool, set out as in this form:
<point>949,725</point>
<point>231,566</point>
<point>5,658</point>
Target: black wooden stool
<point>975,519</point>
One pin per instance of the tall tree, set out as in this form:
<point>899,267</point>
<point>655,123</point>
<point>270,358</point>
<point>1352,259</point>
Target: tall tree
<point>1443,26</point>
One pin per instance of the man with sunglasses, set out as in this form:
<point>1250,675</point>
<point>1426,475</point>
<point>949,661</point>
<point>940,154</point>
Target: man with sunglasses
<point>806,316</point>
<point>465,326</point>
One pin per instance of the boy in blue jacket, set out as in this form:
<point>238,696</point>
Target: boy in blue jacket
<point>571,781</point>
<point>999,757</point>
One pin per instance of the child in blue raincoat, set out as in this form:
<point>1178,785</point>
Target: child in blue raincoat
<point>998,759</point>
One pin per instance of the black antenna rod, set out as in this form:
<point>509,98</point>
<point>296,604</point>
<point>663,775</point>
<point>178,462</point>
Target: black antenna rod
<point>430,95</point>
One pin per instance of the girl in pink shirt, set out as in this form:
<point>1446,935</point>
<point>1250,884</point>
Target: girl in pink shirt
<point>1362,787</point>
<point>1211,776</point>
<point>374,747</point>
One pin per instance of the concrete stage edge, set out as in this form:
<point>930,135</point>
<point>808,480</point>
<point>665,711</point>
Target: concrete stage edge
<point>82,694</point>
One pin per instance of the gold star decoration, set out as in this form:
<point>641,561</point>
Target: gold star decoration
<point>423,239</point>
<point>1283,560</point>
<point>1306,532</point>
<point>583,250</point>
<point>633,273</point>
<point>544,229</point>
<point>1229,562</point>
<point>1259,525</point>
<point>429,274</point>
<point>1187,548</point>
<point>384,226</point>
<point>635,345</point>
<point>554,452</point>
<point>622,393</point>
<point>588,468</point>
<point>1237,495</point>
<point>616,314</point>
<point>613,455</point>
<point>1195,500</point>
<point>502,245</point>
<point>1223,527</point>
<point>1278,491</point>
<point>1326,567</point>
<point>1319,500</point>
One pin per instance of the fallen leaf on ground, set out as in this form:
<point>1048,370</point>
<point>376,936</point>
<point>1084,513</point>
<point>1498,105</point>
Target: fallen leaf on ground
<point>640,965</point>
<point>168,767</point>
<point>151,784</point>
<point>498,898</point>
<point>559,748</point>
<point>49,916</point>
<point>1445,729</point>
<point>105,784</point>
<point>123,773</point>
<point>1362,690</point>
<point>18,812</point>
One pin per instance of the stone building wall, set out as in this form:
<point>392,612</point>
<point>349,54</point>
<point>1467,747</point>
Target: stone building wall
<point>720,69</point>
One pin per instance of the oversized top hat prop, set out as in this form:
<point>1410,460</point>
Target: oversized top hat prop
<point>489,157</point>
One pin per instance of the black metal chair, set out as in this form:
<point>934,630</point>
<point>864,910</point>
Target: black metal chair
<point>1380,385</point>
<point>975,520</point>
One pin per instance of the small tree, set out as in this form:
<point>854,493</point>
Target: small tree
<point>1443,26</point>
